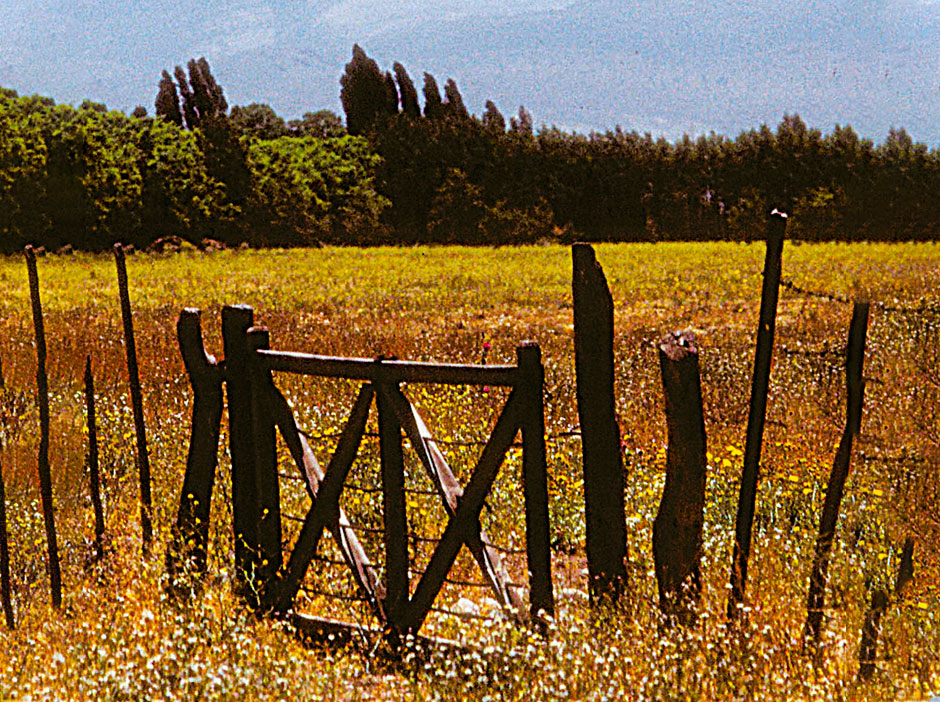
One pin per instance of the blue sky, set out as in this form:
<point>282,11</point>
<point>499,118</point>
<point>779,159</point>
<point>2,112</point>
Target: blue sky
<point>658,66</point>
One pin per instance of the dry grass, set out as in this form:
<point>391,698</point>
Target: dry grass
<point>120,637</point>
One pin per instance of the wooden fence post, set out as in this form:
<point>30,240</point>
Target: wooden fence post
<point>267,487</point>
<point>94,477</point>
<point>188,553</point>
<point>605,516</point>
<point>137,401</point>
<point>246,511</point>
<point>760,383</point>
<point>535,483</point>
<point>42,396</point>
<point>855,357</point>
<point>677,530</point>
<point>394,511</point>
<point>5,591</point>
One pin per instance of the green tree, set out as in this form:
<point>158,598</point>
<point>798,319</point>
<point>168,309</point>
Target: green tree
<point>323,124</point>
<point>257,120</point>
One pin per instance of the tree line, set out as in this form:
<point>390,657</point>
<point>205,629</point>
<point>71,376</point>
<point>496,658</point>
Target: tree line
<point>87,177</point>
<point>420,168</point>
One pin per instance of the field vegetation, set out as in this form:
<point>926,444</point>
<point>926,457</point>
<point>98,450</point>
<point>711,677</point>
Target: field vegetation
<point>120,636</point>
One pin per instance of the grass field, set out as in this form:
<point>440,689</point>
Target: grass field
<point>120,637</point>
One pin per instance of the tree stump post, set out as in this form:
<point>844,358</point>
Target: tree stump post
<point>188,554</point>
<point>605,516</point>
<point>677,529</point>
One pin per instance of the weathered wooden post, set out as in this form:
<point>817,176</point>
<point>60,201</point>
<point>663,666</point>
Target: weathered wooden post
<point>535,482</point>
<point>94,477</point>
<point>855,357</point>
<point>246,510</point>
<point>5,591</point>
<point>42,395</point>
<point>677,530</point>
<point>605,517</point>
<point>137,401</point>
<point>267,487</point>
<point>188,553</point>
<point>394,511</point>
<point>760,384</point>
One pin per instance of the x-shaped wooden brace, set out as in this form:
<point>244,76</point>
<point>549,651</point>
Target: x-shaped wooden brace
<point>463,506</point>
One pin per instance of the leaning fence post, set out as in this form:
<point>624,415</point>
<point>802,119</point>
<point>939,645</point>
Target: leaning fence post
<point>605,516</point>
<point>188,553</point>
<point>677,529</point>
<point>535,483</point>
<point>760,383</point>
<point>246,512</point>
<point>267,487</point>
<point>137,401</point>
<point>94,478</point>
<point>855,357</point>
<point>42,394</point>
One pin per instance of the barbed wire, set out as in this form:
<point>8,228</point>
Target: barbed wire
<point>932,307</point>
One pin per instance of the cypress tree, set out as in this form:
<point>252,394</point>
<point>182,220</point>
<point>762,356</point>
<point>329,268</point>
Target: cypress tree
<point>406,89</point>
<point>391,94</point>
<point>188,105</point>
<point>364,93</point>
<point>454,107</point>
<point>167,104</point>
<point>493,120</point>
<point>433,105</point>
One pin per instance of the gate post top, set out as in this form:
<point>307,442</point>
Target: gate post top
<point>258,338</point>
<point>776,225</point>
<point>238,312</point>
<point>582,254</point>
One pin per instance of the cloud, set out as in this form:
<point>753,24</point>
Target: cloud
<point>244,30</point>
<point>373,17</point>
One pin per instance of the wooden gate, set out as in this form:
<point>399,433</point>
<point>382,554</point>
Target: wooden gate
<point>257,409</point>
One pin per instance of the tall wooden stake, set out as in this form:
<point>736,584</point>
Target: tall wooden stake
<point>776,228</point>
<point>5,592</point>
<point>42,394</point>
<point>855,358</point>
<point>605,517</point>
<point>137,402</point>
<point>94,478</point>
